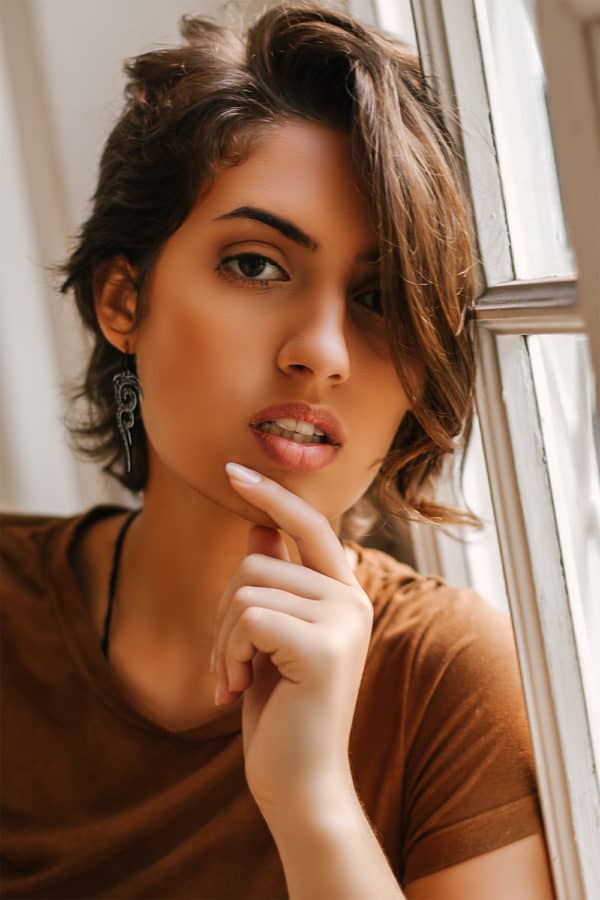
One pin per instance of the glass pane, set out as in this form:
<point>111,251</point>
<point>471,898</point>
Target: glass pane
<point>395,16</point>
<point>517,94</point>
<point>475,560</point>
<point>570,427</point>
<point>482,550</point>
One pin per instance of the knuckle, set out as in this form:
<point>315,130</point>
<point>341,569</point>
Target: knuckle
<point>243,597</point>
<point>251,565</point>
<point>330,649</point>
<point>250,616</point>
<point>365,605</point>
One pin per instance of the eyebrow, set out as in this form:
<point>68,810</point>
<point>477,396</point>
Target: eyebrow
<point>289,230</point>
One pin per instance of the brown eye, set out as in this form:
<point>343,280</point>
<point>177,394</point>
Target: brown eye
<point>373,303</point>
<point>250,266</point>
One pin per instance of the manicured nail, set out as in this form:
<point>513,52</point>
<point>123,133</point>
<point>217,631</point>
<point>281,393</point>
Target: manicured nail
<point>218,695</point>
<point>241,473</point>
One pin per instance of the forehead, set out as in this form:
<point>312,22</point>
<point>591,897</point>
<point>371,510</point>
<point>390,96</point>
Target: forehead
<point>301,170</point>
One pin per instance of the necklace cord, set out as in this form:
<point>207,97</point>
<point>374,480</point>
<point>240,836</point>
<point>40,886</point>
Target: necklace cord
<point>113,578</point>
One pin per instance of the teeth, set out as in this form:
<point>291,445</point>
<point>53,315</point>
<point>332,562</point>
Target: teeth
<point>274,428</point>
<point>299,425</point>
<point>288,424</point>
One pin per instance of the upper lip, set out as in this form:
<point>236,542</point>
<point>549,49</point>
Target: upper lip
<point>320,417</point>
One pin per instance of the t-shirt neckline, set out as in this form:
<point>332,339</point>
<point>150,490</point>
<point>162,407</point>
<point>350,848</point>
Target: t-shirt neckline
<point>84,644</point>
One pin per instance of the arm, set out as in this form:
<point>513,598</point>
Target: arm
<point>333,854</point>
<point>338,857</point>
<point>519,871</point>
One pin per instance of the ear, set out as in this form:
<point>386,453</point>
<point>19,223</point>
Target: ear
<point>115,301</point>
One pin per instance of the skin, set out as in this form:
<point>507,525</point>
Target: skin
<point>212,352</point>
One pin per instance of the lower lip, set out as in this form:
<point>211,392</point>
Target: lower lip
<point>293,456</point>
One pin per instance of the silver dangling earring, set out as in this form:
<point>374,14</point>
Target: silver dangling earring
<point>127,387</point>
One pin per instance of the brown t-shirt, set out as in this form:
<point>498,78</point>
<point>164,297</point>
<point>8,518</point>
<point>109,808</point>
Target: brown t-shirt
<point>99,801</point>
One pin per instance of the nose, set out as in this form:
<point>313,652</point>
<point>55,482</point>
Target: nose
<point>317,344</point>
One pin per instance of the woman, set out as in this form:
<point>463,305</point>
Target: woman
<point>277,275</point>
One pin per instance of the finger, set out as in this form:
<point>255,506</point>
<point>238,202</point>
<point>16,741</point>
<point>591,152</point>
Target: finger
<point>238,673</point>
<point>268,541</point>
<point>285,639</point>
<point>318,545</point>
<point>265,571</point>
<point>261,539</point>
<point>261,571</point>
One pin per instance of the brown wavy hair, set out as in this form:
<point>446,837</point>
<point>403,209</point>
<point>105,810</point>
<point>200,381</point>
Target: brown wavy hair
<point>194,108</point>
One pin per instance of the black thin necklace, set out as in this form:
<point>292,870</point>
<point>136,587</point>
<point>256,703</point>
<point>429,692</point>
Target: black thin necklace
<point>113,577</point>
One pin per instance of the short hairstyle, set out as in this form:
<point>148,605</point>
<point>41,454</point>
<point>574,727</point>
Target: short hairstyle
<point>194,108</point>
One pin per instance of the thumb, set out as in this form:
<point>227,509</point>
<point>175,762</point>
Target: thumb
<point>262,539</point>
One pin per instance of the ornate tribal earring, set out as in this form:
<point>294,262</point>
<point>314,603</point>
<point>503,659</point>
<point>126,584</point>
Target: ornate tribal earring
<point>127,387</point>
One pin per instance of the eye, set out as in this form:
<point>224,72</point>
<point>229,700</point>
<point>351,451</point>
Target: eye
<point>249,266</point>
<point>374,304</point>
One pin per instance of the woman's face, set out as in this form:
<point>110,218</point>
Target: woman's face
<point>242,316</point>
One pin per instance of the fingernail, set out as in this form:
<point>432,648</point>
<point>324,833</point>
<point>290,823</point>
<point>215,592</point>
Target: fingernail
<point>219,696</point>
<point>212,660</point>
<point>241,473</point>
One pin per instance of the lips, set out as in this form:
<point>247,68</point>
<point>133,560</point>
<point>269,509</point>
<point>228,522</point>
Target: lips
<point>320,418</point>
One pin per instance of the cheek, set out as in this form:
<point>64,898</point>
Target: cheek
<point>386,399</point>
<point>202,380</point>
<point>181,367</point>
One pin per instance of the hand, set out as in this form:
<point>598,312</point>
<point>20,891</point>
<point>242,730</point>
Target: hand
<point>293,638</point>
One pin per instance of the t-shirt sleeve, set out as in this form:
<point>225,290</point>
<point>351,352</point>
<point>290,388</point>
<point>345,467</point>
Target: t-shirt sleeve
<point>469,779</point>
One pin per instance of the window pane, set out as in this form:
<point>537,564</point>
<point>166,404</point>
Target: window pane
<point>482,551</point>
<point>516,87</point>
<point>567,406</point>
<point>467,557</point>
<point>395,16</point>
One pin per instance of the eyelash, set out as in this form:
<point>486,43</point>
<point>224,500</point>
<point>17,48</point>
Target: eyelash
<point>265,282</point>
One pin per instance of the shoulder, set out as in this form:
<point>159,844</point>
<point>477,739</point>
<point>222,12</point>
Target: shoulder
<point>446,660</point>
<point>23,539</point>
<point>27,586</point>
<point>457,649</point>
<point>34,547</point>
<point>411,608</point>
<point>444,668</point>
